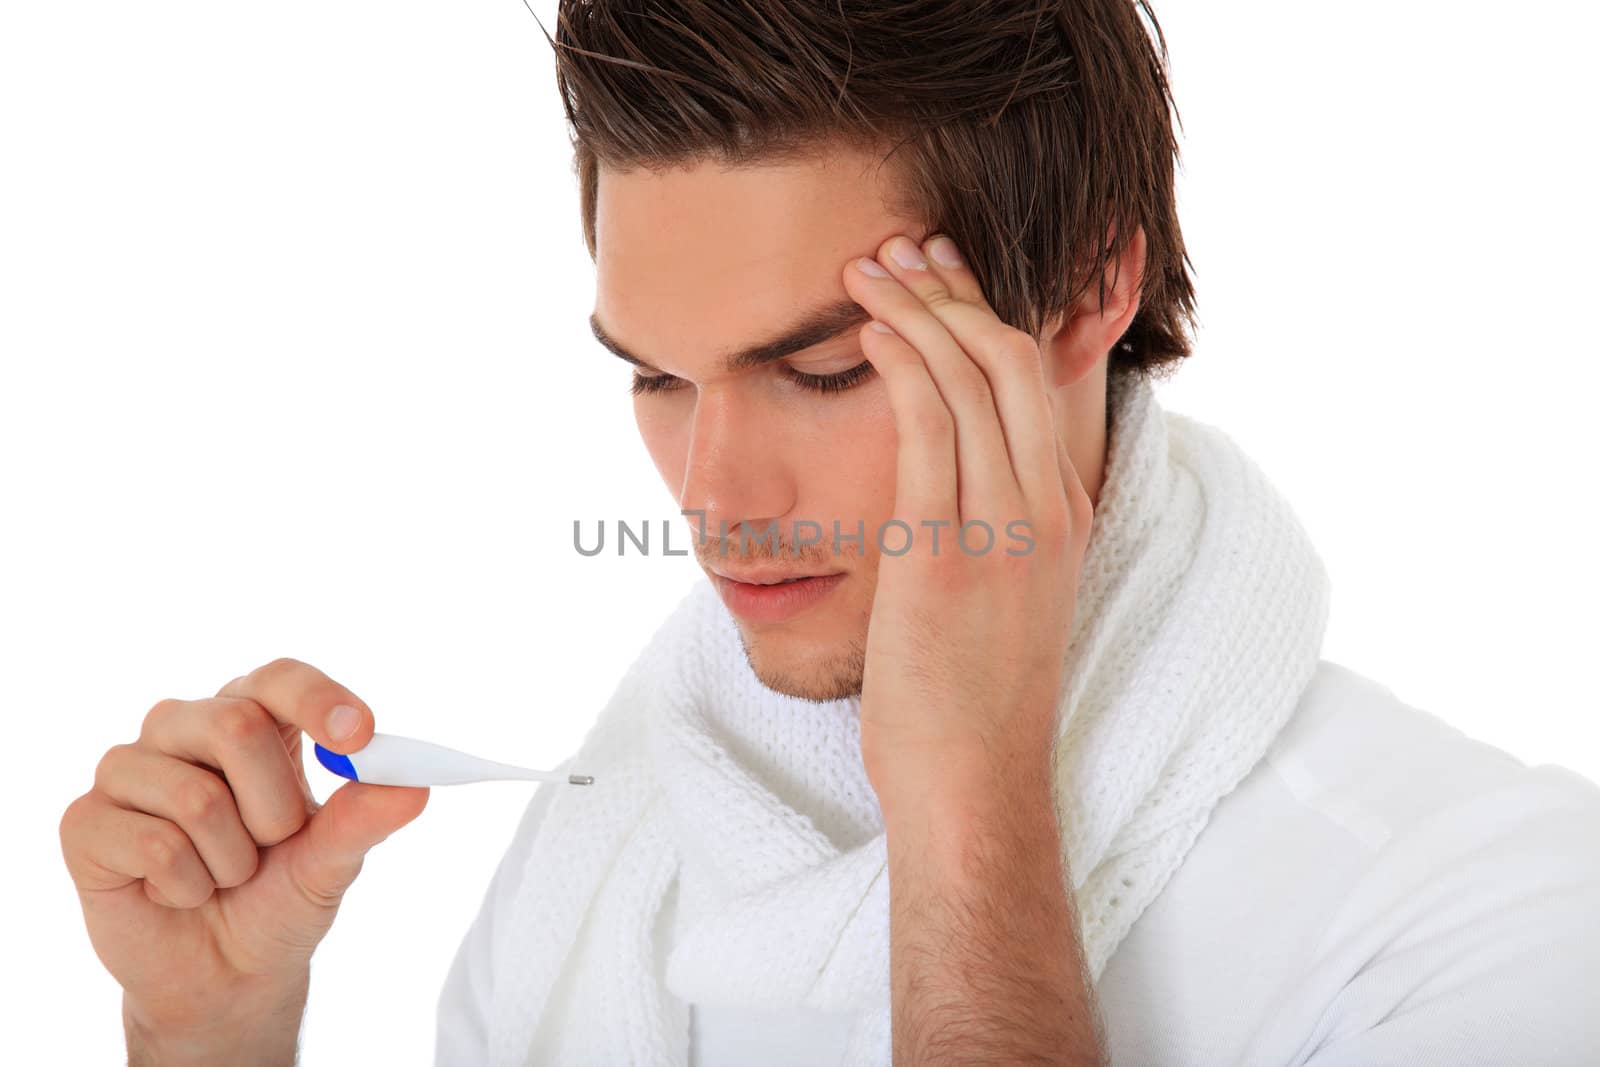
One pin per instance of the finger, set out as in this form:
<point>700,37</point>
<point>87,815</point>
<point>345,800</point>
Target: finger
<point>985,482</point>
<point>298,693</point>
<point>193,798</point>
<point>1010,360</point>
<point>112,846</point>
<point>925,459</point>
<point>945,261</point>
<point>242,741</point>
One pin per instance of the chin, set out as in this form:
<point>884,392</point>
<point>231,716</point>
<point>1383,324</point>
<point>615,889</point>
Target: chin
<point>818,675</point>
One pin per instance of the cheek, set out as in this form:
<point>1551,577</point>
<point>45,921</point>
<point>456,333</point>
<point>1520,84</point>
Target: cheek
<point>849,458</point>
<point>879,453</point>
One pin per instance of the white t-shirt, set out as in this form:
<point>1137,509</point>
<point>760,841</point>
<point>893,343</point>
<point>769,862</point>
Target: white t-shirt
<point>1380,889</point>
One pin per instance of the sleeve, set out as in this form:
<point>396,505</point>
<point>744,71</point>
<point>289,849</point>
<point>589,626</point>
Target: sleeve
<point>1487,951</point>
<point>462,1035</point>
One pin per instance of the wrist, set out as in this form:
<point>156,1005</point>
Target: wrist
<point>975,782</point>
<point>253,1031</point>
<point>958,834</point>
<point>962,794</point>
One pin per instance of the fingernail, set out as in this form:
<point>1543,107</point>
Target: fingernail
<point>904,252</point>
<point>870,266</point>
<point>342,721</point>
<point>943,251</point>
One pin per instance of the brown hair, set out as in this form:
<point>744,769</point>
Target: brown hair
<point>1032,129</point>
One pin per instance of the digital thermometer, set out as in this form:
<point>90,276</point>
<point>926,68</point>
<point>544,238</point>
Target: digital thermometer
<point>389,759</point>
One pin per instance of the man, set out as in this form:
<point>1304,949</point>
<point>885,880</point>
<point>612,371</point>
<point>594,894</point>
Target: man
<point>998,731</point>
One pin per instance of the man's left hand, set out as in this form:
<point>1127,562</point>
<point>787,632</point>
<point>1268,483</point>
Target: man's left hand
<point>965,645</point>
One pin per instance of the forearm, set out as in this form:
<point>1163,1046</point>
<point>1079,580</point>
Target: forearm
<point>264,1036</point>
<point>984,959</point>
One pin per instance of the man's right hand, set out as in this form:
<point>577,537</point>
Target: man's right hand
<point>206,870</point>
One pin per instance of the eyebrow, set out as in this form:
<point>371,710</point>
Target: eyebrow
<point>815,327</point>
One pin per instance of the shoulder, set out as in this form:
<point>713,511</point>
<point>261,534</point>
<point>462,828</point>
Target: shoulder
<point>1380,888</point>
<point>1356,755</point>
<point>1461,930</point>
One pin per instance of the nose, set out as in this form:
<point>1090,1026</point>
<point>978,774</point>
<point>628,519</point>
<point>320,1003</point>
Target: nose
<point>736,472</point>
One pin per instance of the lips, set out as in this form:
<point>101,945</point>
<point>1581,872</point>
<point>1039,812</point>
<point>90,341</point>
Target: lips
<point>772,577</point>
<point>767,597</point>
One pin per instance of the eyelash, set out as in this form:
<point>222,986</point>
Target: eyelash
<point>818,383</point>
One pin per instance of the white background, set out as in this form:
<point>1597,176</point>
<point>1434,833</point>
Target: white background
<point>292,306</point>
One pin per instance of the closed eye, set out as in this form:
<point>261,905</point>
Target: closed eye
<point>817,383</point>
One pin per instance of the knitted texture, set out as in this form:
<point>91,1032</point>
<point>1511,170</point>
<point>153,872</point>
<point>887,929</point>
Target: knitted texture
<point>1199,620</point>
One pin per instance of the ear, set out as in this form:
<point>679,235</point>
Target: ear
<point>1072,350</point>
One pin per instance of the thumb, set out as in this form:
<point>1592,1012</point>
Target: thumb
<point>338,835</point>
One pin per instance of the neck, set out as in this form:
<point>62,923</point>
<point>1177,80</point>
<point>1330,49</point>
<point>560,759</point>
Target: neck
<point>1080,410</point>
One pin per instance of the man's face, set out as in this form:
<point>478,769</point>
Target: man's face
<point>696,264</point>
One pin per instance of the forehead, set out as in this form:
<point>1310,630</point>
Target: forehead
<point>698,260</point>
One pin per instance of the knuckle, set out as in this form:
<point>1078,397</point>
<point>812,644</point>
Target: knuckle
<point>1017,345</point>
<point>106,769</point>
<point>281,665</point>
<point>283,827</point>
<point>303,685</point>
<point>162,847</point>
<point>1053,530</point>
<point>975,537</point>
<point>237,723</point>
<point>200,798</point>
<point>245,871</point>
<point>1053,522</point>
<point>1020,567</point>
<point>161,709</point>
<point>285,812</point>
<point>233,685</point>
<point>71,818</point>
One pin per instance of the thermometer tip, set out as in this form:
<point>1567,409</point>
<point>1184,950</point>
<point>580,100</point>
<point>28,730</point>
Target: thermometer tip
<point>338,764</point>
<point>581,779</point>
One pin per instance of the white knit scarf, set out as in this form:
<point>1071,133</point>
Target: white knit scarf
<point>1200,614</point>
